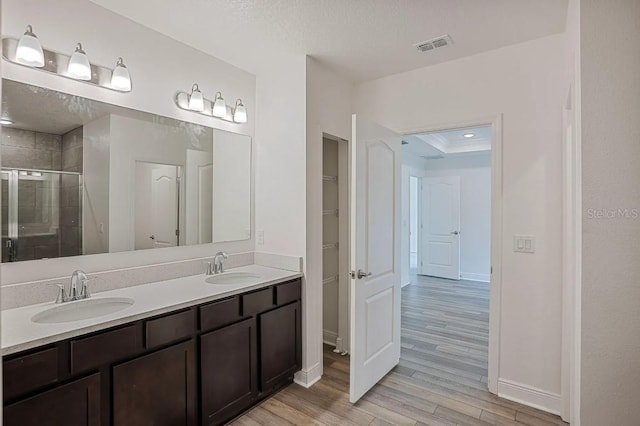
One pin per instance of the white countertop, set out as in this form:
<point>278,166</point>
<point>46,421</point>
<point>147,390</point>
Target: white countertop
<point>19,333</point>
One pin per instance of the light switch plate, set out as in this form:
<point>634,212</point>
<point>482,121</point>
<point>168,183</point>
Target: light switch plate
<point>260,238</point>
<point>524,243</point>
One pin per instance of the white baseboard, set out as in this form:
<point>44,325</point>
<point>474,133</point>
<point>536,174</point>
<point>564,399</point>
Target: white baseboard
<point>527,395</point>
<point>470,276</point>
<point>329,337</point>
<point>307,378</point>
<point>405,284</point>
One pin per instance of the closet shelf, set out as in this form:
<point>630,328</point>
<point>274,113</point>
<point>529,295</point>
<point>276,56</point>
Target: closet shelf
<point>330,280</point>
<point>329,212</point>
<point>329,246</point>
<point>327,178</point>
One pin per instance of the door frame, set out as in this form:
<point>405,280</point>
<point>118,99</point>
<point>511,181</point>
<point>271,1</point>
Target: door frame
<point>495,289</point>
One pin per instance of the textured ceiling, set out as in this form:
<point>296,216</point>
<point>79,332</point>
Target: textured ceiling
<point>361,39</point>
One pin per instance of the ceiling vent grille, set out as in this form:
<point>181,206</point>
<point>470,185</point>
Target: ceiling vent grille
<point>434,43</point>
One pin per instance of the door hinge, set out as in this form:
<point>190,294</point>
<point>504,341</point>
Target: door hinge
<point>177,232</point>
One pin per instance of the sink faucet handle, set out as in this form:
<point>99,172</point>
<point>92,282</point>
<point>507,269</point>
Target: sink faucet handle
<point>210,268</point>
<point>84,289</point>
<point>62,294</point>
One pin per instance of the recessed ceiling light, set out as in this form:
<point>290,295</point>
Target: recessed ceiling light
<point>5,122</point>
<point>468,135</point>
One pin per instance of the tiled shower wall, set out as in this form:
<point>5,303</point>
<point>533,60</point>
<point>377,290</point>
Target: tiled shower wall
<point>70,199</point>
<point>43,212</point>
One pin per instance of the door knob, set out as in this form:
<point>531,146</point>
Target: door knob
<point>153,237</point>
<point>455,233</point>
<point>362,274</point>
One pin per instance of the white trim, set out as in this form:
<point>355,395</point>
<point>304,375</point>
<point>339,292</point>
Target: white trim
<point>471,276</point>
<point>329,337</point>
<point>495,122</point>
<point>307,378</point>
<point>405,284</point>
<point>527,395</point>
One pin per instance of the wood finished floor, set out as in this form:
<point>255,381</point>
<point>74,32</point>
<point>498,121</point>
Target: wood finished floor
<point>441,379</point>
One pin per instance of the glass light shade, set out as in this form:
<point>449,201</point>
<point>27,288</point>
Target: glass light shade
<point>240,112</point>
<point>79,66</point>
<point>219,107</point>
<point>120,79</point>
<point>29,51</point>
<point>196,100</point>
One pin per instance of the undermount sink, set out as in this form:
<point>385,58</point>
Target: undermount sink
<point>230,278</point>
<point>82,310</point>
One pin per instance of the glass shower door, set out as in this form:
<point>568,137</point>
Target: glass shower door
<point>42,217</point>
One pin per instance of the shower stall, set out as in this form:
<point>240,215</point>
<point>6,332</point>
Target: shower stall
<point>41,214</point>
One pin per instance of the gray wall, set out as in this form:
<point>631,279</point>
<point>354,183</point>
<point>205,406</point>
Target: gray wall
<point>610,70</point>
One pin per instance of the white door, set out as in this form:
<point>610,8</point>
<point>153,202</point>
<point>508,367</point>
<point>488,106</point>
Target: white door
<point>164,189</point>
<point>375,254</point>
<point>156,205</point>
<point>440,254</point>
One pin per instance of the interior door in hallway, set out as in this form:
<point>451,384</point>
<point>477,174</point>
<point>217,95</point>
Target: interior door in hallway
<point>440,226</point>
<point>375,254</point>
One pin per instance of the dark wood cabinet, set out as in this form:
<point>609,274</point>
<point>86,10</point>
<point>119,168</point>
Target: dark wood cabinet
<point>228,371</point>
<point>158,389</point>
<point>76,403</point>
<point>280,345</point>
<point>204,364</point>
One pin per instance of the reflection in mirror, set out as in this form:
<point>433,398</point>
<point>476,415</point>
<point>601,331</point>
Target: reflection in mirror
<point>85,177</point>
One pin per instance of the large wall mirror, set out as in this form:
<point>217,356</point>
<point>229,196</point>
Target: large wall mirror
<point>85,177</point>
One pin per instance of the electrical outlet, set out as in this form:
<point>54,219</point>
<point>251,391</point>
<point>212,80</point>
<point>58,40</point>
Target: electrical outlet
<point>260,238</point>
<point>524,243</point>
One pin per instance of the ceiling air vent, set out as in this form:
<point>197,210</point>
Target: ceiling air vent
<point>434,43</point>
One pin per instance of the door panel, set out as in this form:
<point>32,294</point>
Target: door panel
<point>375,252</point>
<point>440,255</point>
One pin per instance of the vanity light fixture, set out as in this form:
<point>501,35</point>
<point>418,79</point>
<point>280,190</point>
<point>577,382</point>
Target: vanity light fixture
<point>240,112</point>
<point>79,65</point>
<point>219,107</point>
<point>6,122</point>
<point>468,135</point>
<point>196,100</point>
<point>120,78</point>
<point>29,51</point>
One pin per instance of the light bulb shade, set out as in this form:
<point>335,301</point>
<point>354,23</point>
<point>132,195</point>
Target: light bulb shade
<point>240,112</point>
<point>29,51</point>
<point>219,107</point>
<point>79,66</point>
<point>120,79</point>
<point>196,100</point>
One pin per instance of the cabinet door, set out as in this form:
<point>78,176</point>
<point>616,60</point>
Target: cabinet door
<point>228,360</point>
<point>280,345</point>
<point>76,403</point>
<point>157,389</point>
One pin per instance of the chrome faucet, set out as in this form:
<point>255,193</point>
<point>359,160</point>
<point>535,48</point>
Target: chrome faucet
<point>218,260</point>
<point>74,293</point>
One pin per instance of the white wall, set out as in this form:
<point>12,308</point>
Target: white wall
<point>328,110</point>
<point>475,210</point>
<point>610,66</point>
<point>160,66</point>
<point>525,83</point>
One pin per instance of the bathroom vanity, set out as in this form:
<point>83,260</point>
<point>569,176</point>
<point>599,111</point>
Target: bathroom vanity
<point>202,359</point>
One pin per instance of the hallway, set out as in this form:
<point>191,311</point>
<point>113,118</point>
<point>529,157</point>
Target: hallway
<point>441,378</point>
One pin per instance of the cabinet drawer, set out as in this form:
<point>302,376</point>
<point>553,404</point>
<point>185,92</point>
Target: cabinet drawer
<point>104,348</point>
<point>170,328</point>
<point>220,313</point>
<point>258,301</point>
<point>288,292</point>
<point>29,372</point>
